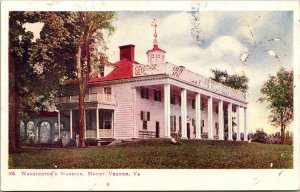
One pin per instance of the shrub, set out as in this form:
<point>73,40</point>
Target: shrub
<point>259,136</point>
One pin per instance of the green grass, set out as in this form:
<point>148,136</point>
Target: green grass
<point>158,154</point>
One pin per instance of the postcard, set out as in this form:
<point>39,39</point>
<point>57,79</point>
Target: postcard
<point>150,95</point>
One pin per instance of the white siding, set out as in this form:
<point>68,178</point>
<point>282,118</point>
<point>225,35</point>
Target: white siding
<point>155,108</point>
<point>123,115</point>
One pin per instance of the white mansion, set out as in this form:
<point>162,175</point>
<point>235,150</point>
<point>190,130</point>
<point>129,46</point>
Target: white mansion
<point>132,100</point>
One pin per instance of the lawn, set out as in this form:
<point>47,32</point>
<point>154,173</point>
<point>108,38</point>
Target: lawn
<point>159,154</point>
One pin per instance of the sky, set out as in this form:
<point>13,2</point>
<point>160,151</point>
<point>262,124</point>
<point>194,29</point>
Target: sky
<point>264,38</point>
<point>252,42</point>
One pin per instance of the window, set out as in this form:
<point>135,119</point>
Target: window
<point>145,115</point>
<point>173,123</point>
<point>157,56</point>
<point>107,90</point>
<point>179,100</point>
<point>201,105</point>
<point>217,129</point>
<point>101,71</point>
<point>105,119</point>
<point>217,110</point>
<point>152,56</point>
<point>144,92</point>
<point>144,124</point>
<point>194,125</point>
<point>173,99</point>
<point>202,125</point>
<point>90,116</point>
<point>157,95</point>
<point>180,127</point>
<point>193,104</point>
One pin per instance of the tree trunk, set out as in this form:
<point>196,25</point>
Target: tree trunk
<point>12,124</point>
<point>81,97</point>
<point>282,130</point>
<point>13,108</point>
<point>81,116</point>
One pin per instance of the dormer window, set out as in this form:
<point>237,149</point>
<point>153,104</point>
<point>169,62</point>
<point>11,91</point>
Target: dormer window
<point>101,71</point>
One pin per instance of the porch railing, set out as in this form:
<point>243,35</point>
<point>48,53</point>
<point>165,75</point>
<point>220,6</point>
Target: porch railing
<point>103,133</point>
<point>183,74</point>
<point>106,133</point>
<point>91,133</point>
<point>93,97</point>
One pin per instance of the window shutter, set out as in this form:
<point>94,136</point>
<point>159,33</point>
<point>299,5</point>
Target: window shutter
<point>147,93</point>
<point>180,123</point>
<point>174,123</point>
<point>144,124</point>
<point>159,95</point>
<point>148,116</point>
<point>142,92</point>
<point>142,115</point>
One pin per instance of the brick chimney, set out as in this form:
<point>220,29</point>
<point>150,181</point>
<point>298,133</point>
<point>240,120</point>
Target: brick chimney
<point>127,52</point>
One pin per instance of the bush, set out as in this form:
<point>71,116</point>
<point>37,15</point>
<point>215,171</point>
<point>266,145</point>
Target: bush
<point>259,136</point>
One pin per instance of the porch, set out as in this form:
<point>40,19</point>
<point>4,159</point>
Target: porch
<point>98,123</point>
<point>89,98</point>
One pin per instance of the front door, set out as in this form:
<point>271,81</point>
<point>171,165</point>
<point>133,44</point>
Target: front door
<point>188,132</point>
<point>157,129</point>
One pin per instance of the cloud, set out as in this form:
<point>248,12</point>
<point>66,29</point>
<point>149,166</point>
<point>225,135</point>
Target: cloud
<point>222,38</point>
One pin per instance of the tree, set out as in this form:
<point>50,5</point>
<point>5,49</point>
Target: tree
<point>32,80</point>
<point>278,92</point>
<point>88,27</point>
<point>40,70</point>
<point>236,81</point>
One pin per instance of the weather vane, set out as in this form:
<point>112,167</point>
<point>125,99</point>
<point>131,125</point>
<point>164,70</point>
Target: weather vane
<point>155,34</point>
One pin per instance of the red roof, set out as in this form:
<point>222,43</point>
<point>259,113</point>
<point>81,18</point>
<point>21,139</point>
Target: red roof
<point>123,70</point>
<point>156,48</point>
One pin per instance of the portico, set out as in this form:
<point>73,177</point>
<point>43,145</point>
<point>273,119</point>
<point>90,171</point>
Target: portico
<point>211,108</point>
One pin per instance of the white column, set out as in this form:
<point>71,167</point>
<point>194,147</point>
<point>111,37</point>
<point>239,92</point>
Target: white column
<point>84,115</point>
<point>210,117</point>
<point>183,113</point>
<point>97,123</point>
<point>71,124</point>
<point>245,125</point>
<point>136,113</point>
<point>167,109</point>
<point>221,121</point>
<point>238,137</point>
<point>230,121</point>
<point>59,124</point>
<point>198,116</point>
